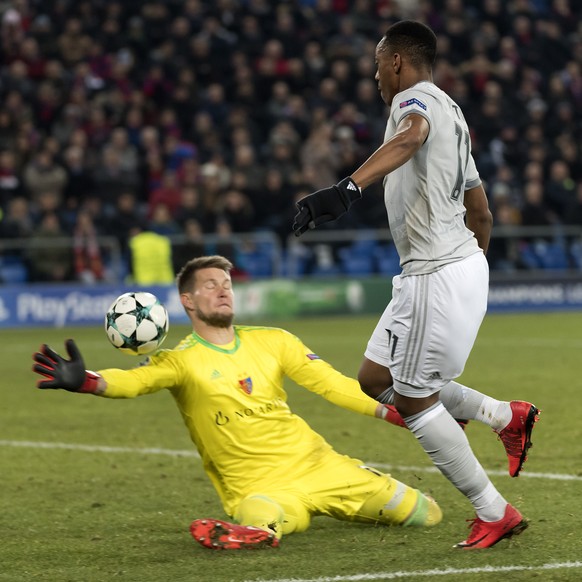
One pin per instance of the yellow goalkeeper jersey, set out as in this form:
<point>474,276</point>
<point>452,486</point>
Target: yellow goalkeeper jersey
<point>234,405</point>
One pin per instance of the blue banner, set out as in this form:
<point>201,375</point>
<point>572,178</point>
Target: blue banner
<point>540,294</point>
<point>68,305</point>
<point>65,305</point>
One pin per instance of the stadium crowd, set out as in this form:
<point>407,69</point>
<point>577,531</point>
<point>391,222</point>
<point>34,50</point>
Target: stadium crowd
<point>200,117</point>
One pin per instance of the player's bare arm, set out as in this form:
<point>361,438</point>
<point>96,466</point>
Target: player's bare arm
<point>479,218</point>
<point>330,203</point>
<point>410,135</point>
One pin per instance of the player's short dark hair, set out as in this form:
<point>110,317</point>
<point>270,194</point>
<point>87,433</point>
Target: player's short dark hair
<point>414,39</point>
<point>185,278</point>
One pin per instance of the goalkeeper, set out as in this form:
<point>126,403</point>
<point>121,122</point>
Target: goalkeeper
<point>272,472</point>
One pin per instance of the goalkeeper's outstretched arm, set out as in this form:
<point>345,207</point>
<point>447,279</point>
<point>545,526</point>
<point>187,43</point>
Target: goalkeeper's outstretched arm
<point>60,373</point>
<point>162,372</point>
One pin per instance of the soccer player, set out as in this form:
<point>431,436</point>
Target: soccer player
<point>272,472</point>
<point>424,337</point>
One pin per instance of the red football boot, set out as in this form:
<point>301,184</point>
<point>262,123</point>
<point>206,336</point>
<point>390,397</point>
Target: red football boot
<point>516,436</point>
<point>485,534</point>
<point>222,535</point>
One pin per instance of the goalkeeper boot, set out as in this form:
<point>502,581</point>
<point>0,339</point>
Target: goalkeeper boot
<point>222,535</point>
<point>485,534</point>
<point>516,436</point>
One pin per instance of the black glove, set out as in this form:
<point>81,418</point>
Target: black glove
<point>325,205</point>
<point>60,373</point>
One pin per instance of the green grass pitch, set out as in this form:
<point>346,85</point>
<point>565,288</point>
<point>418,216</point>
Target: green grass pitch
<point>83,515</point>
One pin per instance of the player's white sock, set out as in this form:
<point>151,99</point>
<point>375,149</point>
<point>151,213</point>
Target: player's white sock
<point>446,444</point>
<point>465,403</point>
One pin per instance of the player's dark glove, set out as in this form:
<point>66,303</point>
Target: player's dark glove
<point>325,205</point>
<point>61,373</point>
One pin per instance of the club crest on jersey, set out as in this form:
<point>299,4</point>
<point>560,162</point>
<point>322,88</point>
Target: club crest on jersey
<point>313,357</point>
<point>246,385</point>
<point>413,101</point>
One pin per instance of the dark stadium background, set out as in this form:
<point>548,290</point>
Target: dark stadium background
<point>202,120</point>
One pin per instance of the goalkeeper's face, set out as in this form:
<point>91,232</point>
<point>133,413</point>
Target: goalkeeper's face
<point>212,300</point>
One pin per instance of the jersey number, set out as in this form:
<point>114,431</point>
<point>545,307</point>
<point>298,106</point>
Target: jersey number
<point>462,138</point>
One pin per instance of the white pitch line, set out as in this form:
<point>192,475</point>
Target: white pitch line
<point>428,573</point>
<point>195,455</point>
<point>99,448</point>
<point>496,472</point>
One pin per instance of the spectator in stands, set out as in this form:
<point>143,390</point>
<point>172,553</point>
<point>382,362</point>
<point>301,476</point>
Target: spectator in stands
<point>126,152</point>
<point>318,151</point>
<point>191,208</point>
<point>274,203</point>
<point>150,258</point>
<point>574,208</point>
<point>181,85</point>
<point>237,210</point>
<point>162,222</point>
<point>127,217</point>
<point>79,179</point>
<point>224,243</point>
<point>560,188</point>
<point>17,220</point>
<point>10,182</point>
<point>47,202</point>
<point>73,43</point>
<point>191,246</point>
<point>8,130</point>
<point>49,253</point>
<point>110,179</point>
<point>503,251</point>
<point>42,173</point>
<point>535,212</point>
<point>88,263</point>
<point>168,193</point>
<point>246,163</point>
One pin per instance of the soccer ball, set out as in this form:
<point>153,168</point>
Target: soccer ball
<point>137,323</point>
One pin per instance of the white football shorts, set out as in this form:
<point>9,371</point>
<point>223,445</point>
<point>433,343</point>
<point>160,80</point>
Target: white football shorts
<point>426,333</point>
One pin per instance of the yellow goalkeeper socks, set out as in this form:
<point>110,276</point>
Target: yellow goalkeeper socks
<point>399,504</point>
<point>426,512</point>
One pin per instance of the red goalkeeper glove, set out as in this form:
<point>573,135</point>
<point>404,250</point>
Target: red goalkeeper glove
<point>61,373</point>
<point>391,415</point>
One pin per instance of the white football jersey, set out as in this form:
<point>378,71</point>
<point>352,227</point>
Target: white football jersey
<point>424,197</point>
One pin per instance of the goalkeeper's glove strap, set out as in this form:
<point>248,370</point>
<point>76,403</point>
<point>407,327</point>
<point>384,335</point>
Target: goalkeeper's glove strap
<point>91,383</point>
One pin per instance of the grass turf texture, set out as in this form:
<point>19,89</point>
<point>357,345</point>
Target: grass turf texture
<point>74,515</point>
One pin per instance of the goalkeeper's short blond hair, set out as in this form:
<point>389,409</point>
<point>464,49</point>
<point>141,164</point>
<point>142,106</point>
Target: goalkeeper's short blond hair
<point>187,274</point>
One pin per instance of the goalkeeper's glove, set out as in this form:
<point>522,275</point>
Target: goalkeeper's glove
<point>391,415</point>
<point>325,205</point>
<point>61,373</point>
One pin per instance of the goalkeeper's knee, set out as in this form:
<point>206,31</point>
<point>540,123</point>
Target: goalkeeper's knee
<point>399,504</point>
